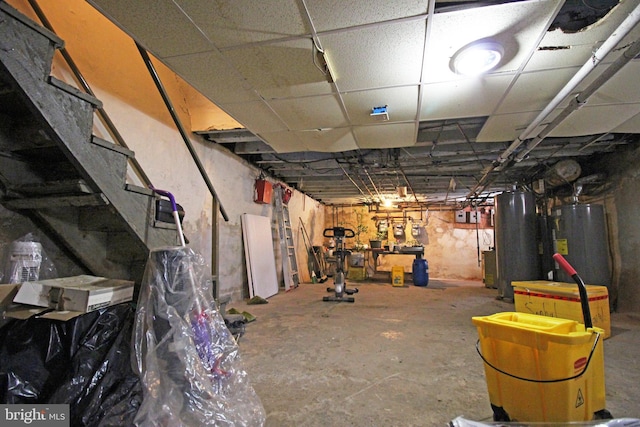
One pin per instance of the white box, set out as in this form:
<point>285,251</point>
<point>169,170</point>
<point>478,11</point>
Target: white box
<point>461,216</point>
<point>75,295</point>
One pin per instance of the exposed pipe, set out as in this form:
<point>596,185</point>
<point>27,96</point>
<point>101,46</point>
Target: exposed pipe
<point>581,99</point>
<point>372,183</point>
<point>408,184</point>
<point>597,57</point>
<point>623,29</point>
<point>478,237</point>
<point>176,119</point>
<point>353,182</point>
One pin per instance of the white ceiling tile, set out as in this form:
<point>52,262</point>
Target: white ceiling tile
<point>235,22</point>
<point>332,14</point>
<point>385,135</point>
<point>328,141</point>
<point>593,120</point>
<point>534,91</point>
<point>162,29</point>
<point>516,26</point>
<point>281,70</point>
<point>256,116</point>
<point>204,114</point>
<point>401,104</point>
<point>630,126</point>
<point>255,60</point>
<point>282,141</point>
<point>623,87</point>
<point>561,49</point>
<point>505,127</point>
<point>310,113</point>
<point>593,35</point>
<point>465,97</point>
<point>387,55</point>
<point>211,74</point>
<point>573,56</point>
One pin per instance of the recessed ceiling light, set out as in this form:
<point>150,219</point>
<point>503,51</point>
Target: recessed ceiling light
<point>477,58</point>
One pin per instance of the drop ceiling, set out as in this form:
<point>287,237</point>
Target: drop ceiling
<point>304,76</point>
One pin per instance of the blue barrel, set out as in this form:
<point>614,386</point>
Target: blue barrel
<point>420,272</point>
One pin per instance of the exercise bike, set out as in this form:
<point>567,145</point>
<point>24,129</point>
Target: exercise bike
<point>339,286</point>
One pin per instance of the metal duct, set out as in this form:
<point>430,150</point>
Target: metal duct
<point>563,172</point>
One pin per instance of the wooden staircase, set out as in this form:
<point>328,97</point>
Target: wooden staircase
<point>55,171</point>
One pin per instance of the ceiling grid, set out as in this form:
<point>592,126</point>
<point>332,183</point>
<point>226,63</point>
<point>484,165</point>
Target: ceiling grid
<point>303,77</point>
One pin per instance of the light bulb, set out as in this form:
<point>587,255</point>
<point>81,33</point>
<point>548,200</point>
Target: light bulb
<point>477,58</point>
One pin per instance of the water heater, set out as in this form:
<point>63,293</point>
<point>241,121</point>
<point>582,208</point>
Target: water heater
<point>516,245</point>
<point>580,235</point>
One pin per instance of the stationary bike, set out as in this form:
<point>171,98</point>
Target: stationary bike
<point>339,286</point>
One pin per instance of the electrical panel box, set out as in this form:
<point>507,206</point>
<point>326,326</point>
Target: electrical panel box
<point>461,216</point>
<point>473,217</point>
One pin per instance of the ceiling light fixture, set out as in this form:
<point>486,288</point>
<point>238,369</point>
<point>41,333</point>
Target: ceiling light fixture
<point>477,58</point>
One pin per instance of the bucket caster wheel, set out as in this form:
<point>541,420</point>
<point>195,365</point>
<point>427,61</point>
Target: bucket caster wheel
<point>602,414</point>
<point>499,414</point>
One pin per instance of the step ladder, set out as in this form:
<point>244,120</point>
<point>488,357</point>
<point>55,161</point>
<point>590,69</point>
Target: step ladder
<point>287,249</point>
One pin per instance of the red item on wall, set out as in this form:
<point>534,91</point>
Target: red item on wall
<point>262,192</point>
<point>286,195</point>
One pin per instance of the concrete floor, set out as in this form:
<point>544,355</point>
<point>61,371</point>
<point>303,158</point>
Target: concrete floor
<point>396,357</point>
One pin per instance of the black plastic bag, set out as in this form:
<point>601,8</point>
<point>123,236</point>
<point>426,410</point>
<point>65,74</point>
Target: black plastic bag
<point>84,362</point>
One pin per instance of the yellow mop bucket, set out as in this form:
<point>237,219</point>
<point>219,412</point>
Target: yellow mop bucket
<point>543,369</point>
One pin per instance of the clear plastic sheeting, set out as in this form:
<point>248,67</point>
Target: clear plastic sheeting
<point>26,261</point>
<point>186,357</point>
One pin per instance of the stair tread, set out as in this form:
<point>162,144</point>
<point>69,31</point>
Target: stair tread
<point>58,42</point>
<point>138,189</point>
<point>57,201</point>
<point>74,178</point>
<point>111,146</point>
<point>75,92</point>
<point>71,186</point>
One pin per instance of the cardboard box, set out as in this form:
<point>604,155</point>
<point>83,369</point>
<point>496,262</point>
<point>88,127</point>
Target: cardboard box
<point>562,300</point>
<point>7,294</point>
<point>356,273</point>
<point>70,296</point>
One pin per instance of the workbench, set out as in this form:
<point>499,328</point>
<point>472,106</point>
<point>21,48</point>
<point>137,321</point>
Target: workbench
<point>415,251</point>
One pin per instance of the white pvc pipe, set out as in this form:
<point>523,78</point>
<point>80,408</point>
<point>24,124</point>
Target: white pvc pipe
<point>582,98</point>
<point>623,29</point>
